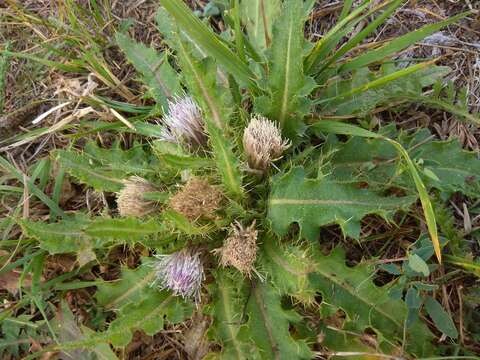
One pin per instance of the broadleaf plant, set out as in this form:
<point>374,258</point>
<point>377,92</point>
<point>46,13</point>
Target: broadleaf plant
<point>216,229</point>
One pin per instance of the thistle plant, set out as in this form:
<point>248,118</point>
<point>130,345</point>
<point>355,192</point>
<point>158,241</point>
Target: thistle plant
<point>263,85</point>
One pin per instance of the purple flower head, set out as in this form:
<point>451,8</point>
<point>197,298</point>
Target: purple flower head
<point>181,272</point>
<point>184,123</point>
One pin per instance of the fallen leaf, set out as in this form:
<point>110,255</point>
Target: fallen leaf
<point>10,281</point>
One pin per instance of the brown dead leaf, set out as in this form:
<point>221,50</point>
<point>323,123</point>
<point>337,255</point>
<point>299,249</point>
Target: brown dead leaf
<point>58,264</point>
<point>10,281</point>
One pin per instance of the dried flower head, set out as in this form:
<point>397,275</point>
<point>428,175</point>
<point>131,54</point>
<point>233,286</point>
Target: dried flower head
<point>181,272</point>
<point>240,248</point>
<point>197,199</point>
<point>263,144</point>
<point>184,123</point>
<point>131,201</point>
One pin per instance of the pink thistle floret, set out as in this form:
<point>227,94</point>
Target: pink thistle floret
<point>184,123</point>
<point>181,272</point>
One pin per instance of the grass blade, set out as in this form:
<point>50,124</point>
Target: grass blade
<point>380,81</point>
<point>4,65</point>
<point>314,56</point>
<point>444,105</point>
<point>357,39</point>
<point>398,44</point>
<point>31,187</point>
<point>54,64</point>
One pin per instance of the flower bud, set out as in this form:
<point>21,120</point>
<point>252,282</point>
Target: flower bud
<point>131,201</point>
<point>262,142</point>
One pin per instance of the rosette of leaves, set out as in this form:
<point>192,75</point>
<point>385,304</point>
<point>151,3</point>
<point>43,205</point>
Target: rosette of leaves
<point>262,64</point>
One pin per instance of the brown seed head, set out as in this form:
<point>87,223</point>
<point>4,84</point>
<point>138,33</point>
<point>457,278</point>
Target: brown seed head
<point>263,144</point>
<point>240,248</point>
<point>130,199</point>
<point>197,199</point>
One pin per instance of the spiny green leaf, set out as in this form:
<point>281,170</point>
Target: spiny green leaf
<point>229,326</point>
<point>104,169</point>
<point>140,306</point>
<point>349,129</point>
<point>132,161</point>
<point>365,304</point>
<point>373,161</point>
<point>157,73</point>
<point>201,78</point>
<point>227,163</point>
<point>147,315</point>
<point>66,236</point>
<point>181,223</point>
<point>288,85</point>
<point>126,229</point>
<point>81,234</point>
<point>269,325</point>
<point>313,203</point>
<point>366,89</point>
<point>288,265</point>
<point>132,287</point>
<point>202,81</point>
<point>87,172</point>
<point>173,155</point>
